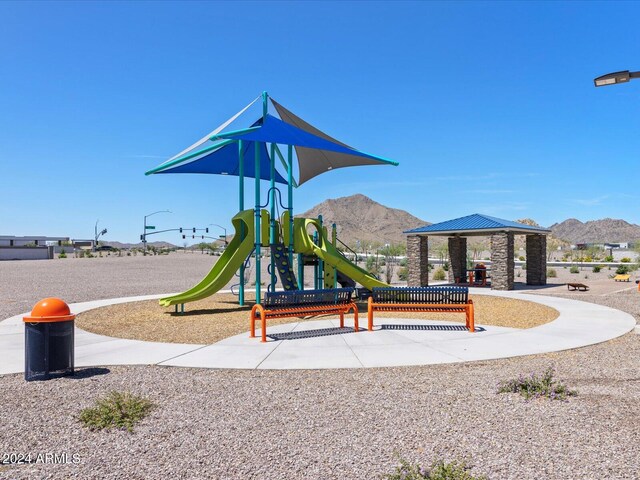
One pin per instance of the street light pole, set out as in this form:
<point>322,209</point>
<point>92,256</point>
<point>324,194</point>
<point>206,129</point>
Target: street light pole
<point>96,235</point>
<point>615,78</point>
<point>225,231</point>
<point>144,233</point>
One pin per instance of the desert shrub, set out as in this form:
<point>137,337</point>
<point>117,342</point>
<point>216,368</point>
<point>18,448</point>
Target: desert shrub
<point>403,262</point>
<point>625,260</point>
<point>608,258</point>
<point>439,274</point>
<point>551,273</point>
<point>596,268</point>
<point>116,410</point>
<point>521,258</point>
<point>403,274</point>
<point>439,470</point>
<point>518,273</point>
<point>445,266</point>
<point>622,270</point>
<point>537,386</point>
<point>63,254</point>
<point>373,265</point>
<point>574,269</point>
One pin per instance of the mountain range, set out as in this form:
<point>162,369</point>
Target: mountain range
<point>596,231</point>
<point>359,218</point>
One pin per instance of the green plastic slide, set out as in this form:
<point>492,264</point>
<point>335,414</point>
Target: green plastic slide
<point>227,265</point>
<point>303,243</point>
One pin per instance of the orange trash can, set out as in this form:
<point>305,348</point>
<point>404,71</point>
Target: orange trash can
<point>49,340</point>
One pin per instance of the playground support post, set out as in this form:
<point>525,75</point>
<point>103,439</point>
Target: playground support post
<point>290,200</point>
<point>265,105</point>
<point>241,208</point>
<point>272,221</point>
<point>316,270</point>
<point>321,237</point>
<point>257,215</point>
<point>334,241</point>
<point>300,271</point>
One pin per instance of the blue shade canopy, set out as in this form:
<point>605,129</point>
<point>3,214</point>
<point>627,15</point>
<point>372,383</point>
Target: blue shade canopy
<point>225,160</point>
<point>477,224</point>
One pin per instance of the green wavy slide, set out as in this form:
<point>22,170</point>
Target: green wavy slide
<point>303,243</point>
<point>227,265</point>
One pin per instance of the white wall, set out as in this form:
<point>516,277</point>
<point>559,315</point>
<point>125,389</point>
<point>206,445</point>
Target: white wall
<point>26,253</point>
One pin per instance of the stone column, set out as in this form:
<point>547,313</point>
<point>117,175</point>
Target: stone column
<point>502,261</point>
<point>536,259</point>
<point>418,260</point>
<point>457,257</point>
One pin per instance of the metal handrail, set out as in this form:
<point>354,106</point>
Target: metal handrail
<point>348,248</point>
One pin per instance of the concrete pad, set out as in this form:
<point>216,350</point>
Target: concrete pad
<point>377,338</point>
<point>323,345</point>
<point>245,339</point>
<point>426,330</point>
<point>329,336</point>
<point>129,352</point>
<point>290,355</point>
<point>10,329</point>
<point>401,355</point>
<point>12,348</point>
<point>224,356</point>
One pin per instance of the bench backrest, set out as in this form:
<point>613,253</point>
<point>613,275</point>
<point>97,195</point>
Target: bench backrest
<point>307,298</point>
<point>435,295</point>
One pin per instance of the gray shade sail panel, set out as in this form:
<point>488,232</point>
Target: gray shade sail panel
<point>313,162</point>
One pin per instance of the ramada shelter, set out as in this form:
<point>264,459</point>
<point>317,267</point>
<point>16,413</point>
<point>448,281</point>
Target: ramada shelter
<point>501,233</point>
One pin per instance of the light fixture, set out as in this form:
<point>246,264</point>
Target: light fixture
<point>614,78</point>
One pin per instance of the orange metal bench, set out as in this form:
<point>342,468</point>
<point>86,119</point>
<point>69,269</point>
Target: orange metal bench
<point>301,303</point>
<point>421,299</point>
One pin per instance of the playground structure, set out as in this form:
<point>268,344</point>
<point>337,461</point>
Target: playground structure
<point>251,153</point>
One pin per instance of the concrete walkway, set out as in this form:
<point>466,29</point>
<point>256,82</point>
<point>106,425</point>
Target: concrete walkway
<point>321,344</point>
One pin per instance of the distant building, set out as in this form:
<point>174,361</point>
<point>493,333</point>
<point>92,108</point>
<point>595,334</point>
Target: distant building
<point>621,245</point>
<point>39,241</point>
<point>604,246</point>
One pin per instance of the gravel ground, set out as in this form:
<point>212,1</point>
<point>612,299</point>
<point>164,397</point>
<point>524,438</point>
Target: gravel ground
<point>327,424</point>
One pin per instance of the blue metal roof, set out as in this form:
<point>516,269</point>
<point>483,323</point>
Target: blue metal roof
<point>476,222</point>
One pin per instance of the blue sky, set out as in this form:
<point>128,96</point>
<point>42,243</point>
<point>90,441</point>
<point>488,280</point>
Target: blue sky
<point>488,107</point>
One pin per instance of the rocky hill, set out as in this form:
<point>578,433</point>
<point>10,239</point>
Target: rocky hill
<point>359,218</point>
<point>596,231</point>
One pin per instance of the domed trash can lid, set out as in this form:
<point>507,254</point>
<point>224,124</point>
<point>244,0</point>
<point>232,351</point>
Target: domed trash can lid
<point>49,310</point>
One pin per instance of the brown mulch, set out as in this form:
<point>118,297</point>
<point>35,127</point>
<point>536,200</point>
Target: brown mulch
<point>219,316</point>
